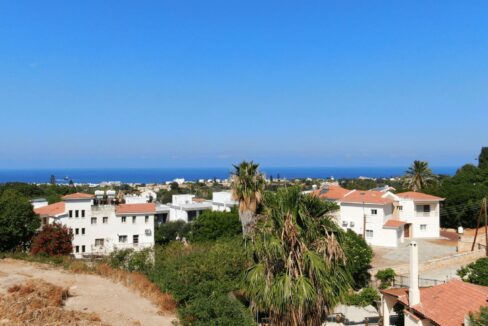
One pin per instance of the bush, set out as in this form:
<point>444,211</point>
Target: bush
<point>386,276</point>
<point>200,277</point>
<point>211,226</point>
<point>220,310</point>
<point>365,297</point>
<point>131,260</point>
<point>480,318</point>
<point>168,231</point>
<point>359,255</point>
<point>53,240</point>
<point>476,273</point>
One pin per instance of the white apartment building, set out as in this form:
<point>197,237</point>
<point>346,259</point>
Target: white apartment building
<point>384,218</point>
<point>222,201</point>
<point>102,227</point>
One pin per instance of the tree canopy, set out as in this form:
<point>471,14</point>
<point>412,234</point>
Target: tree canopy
<point>18,222</point>
<point>298,271</point>
<point>476,273</point>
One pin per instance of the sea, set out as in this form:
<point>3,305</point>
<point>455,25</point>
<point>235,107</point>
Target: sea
<point>159,175</point>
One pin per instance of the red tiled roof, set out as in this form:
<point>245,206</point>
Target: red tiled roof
<point>446,304</point>
<point>135,208</point>
<point>50,210</point>
<point>394,223</point>
<point>332,192</point>
<point>367,197</point>
<point>418,196</point>
<point>78,195</point>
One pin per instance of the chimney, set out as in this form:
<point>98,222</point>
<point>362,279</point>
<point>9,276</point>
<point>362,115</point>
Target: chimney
<point>413,291</point>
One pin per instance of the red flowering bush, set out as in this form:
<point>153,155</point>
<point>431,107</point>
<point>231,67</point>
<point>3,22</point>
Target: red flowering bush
<point>53,240</point>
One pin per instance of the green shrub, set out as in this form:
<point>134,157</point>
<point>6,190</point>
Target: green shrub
<point>479,318</point>
<point>476,272</point>
<point>365,297</point>
<point>359,255</point>
<point>386,276</point>
<point>168,231</point>
<point>200,277</point>
<point>131,260</point>
<point>211,226</point>
<point>220,310</point>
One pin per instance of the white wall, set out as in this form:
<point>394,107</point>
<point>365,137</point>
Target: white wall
<point>410,215</point>
<point>109,231</point>
<point>39,203</point>
<point>354,213</point>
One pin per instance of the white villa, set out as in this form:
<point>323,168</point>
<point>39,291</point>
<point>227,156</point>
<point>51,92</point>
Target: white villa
<point>382,217</point>
<point>100,225</point>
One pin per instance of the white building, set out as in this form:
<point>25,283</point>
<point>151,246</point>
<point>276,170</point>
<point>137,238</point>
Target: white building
<point>186,207</point>
<point>39,202</point>
<point>222,201</point>
<point>102,227</point>
<point>147,196</point>
<point>385,218</point>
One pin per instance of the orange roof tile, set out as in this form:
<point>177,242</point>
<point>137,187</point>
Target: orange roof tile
<point>446,304</point>
<point>367,197</point>
<point>50,210</point>
<point>394,223</point>
<point>135,208</point>
<point>78,195</point>
<point>332,192</point>
<point>418,196</point>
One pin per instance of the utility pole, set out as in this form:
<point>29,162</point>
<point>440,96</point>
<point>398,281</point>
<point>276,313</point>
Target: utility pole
<point>483,211</point>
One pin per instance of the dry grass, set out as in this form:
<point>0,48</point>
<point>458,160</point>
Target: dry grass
<point>140,284</point>
<point>37,303</point>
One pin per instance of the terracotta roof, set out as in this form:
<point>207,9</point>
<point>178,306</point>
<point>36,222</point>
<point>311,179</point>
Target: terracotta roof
<point>50,210</point>
<point>78,195</point>
<point>418,196</point>
<point>135,208</point>
<point>332,192</point>
<point>394,223</point>
<point>446,304</point>
<point>367,197</point>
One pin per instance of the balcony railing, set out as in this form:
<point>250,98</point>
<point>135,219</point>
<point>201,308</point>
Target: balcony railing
<point>103,250</point>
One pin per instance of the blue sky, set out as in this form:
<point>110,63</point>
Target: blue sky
<point>208,83</point>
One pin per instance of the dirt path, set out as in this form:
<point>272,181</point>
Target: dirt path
<point>114,303</point>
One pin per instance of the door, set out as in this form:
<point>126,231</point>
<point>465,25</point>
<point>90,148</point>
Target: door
<point>406,230</point>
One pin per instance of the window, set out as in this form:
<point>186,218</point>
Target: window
<point>82,248</point>
<point>99,242</point>
<point>192,215</point>
<point>344,223</point>
<point>123,218</point>
<point>369,233</point>
<point>146,219</point>
<point>423,208</point>
<point>374,212</point>
<point>82,231</point>
<point>133,220</point>
<point>93,220</point>
<point>423,227</point>
<point>122,238</point>
<point>82,213</point>
<point>135,239</point>
<point>77,213</point>
<point>77,249</point>
<point>351,224</point>
<point>70,213</point>
<point>400,208</point>
<point>105,220</point>
<point>77,231</point>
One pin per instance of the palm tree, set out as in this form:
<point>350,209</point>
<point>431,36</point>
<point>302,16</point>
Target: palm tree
<point>298,271</point>
<point>247,188</point>
<point>418,176</point>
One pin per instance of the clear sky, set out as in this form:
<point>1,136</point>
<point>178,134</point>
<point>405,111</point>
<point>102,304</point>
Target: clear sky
<point>207,83</point>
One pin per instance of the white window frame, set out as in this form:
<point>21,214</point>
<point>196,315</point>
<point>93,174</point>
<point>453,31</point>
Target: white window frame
<point>369,234</point>
<point>423,227</point>
<point>374,211</point>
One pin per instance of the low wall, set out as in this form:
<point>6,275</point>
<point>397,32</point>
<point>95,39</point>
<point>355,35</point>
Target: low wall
<point>438,263</point>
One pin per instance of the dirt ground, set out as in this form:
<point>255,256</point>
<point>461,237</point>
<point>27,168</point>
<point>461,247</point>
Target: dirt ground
<point>114,303</point>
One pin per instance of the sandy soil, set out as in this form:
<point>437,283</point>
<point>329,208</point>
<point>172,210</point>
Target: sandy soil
<point>114,303</point>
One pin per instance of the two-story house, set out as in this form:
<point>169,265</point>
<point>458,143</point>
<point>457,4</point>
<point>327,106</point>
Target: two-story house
<point>382,217</point>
